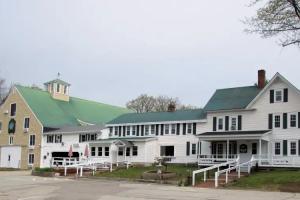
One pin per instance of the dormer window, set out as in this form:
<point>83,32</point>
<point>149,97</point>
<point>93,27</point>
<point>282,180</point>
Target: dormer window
<point>220,124</point>
<point>278,96</point>
<point>233,123</point>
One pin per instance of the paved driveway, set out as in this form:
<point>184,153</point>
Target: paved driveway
<point>22,186</point>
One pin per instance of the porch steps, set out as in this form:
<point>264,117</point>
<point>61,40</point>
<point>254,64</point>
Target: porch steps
<point>210,183</point>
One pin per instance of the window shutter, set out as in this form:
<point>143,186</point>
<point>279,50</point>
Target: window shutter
<point>271,96</point>
<point>187,148</point>
<point>226,123</point>
<point>199,148</point>
<point>240,122</point>
<point>194,128</point>
<point>157,129</point>
<point>120,131</point>
<point>298,119</point>
<point>270,121</point>
<point>178,129</point>
<point>299,147</point>
<point>285,95</point>
<point>285,150</point>
<point>124,131</point>
<point>138,130</point>
<point>184,129</point>
<point>142,130</point>
<point>285,120</point>
<point>214,124</point>
<point>161,129</point>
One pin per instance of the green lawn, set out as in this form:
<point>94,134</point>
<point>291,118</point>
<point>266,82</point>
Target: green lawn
<point>275,180</point>
<point>135,172</point>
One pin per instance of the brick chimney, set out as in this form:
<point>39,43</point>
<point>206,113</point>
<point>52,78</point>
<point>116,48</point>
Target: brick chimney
<point>171,107</point>
<point>261,79</point>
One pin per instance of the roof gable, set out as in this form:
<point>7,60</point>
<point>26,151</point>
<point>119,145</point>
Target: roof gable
<point>275,77</point>
<point>180,115</point>
<point>55,113</point>
<point>232,98</point>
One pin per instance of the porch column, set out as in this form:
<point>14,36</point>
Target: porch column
<point>259,151</point>
<point>117,156</point>
<point>227,150</point>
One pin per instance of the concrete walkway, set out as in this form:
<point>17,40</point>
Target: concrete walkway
<point>22,186</point>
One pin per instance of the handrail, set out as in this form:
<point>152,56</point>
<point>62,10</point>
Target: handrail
<point>211,168</point>
<point>237,166</point>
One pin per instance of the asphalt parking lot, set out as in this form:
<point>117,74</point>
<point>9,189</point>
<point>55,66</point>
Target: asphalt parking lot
<point>19,185</point>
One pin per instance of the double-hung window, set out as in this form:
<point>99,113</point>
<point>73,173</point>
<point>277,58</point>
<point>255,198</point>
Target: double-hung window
<point>93,151</point>
<point>293,148</point>
<point>233,123</point>
<point>152,129</point>
<point>133,130</point>
<point>277,148</point>
<point>127,130</point>
<point>293,120</point>
<point>194,147</point>
<point>167,129</point>
<point>134,151</point>
<point>146,129</point>
<point>50,138</point>
<point>278,96</point>
<point>26,122</point>
<point>189,128</point>
<point>173,129</point>
<point>30,159</point>
<point>220,123</point>
<point>106,151</point>
<point>13,109</point>
<point>277,121</point>
<point>110,131</point>
<point>116,130</point>
<point>58,138</point>
<point>99,151</point>
<point>31,140</point>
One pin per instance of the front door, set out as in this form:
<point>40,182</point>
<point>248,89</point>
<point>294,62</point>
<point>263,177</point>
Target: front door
<point>244,149</point>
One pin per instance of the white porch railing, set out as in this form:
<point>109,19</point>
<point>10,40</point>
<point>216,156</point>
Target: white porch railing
<point>236,167</point>
<point>278,161</point>
<point>215,158</point>
<point>61,162</point>
<point>216,166</point>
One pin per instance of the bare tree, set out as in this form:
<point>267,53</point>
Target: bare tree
<point>277,18</point>
<point>145,103</point>
<point>3,90</point>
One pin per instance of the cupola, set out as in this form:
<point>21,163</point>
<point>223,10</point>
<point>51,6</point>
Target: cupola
<point>58,89</point>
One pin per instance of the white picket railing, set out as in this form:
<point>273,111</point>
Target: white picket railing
<point>237,167</point>
<point>217,166</point>
<point>278,161</point>
<point>215,158</point>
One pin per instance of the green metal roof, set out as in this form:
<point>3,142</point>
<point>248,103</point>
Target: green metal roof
<point>232,98</point>
<point>180,115</point>
<point>56,113</point>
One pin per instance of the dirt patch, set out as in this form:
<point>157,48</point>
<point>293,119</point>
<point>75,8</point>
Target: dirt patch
<point>290,187</point>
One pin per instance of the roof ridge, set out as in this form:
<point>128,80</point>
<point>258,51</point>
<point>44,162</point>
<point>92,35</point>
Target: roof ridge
<point>238,87</point>
<point>72,97</point>
<point>200,109</point>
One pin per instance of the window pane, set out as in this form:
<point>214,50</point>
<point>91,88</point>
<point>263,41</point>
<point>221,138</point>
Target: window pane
<point>277,148</point>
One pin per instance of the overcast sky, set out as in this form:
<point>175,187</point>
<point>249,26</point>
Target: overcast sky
<point>112,51</point>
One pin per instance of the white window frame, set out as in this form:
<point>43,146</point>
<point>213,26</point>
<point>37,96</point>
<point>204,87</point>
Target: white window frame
<point>99,151</point>
<point>133,130</point>
<point>25,121</point>
<point>290,147</point>
<point>10,139</point>
<point>280,143</point>
<point>189,126</point>
<point>95,151</point>
<point>165,129</point>
<point>147,130</point>
<point>29,142</point>
<point>275,99</point>
<point>116,131</point>
<point>152,129</point>
<point>128,130</point>
<point>274,121</point>
<point>10,110</point>
<point>173,128</point>
<point>104,151</point>
<point>289,120</point>
<point>29,162</point>
<point>223,123</point>
<point>194,145</point>
<point>236,123</point>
